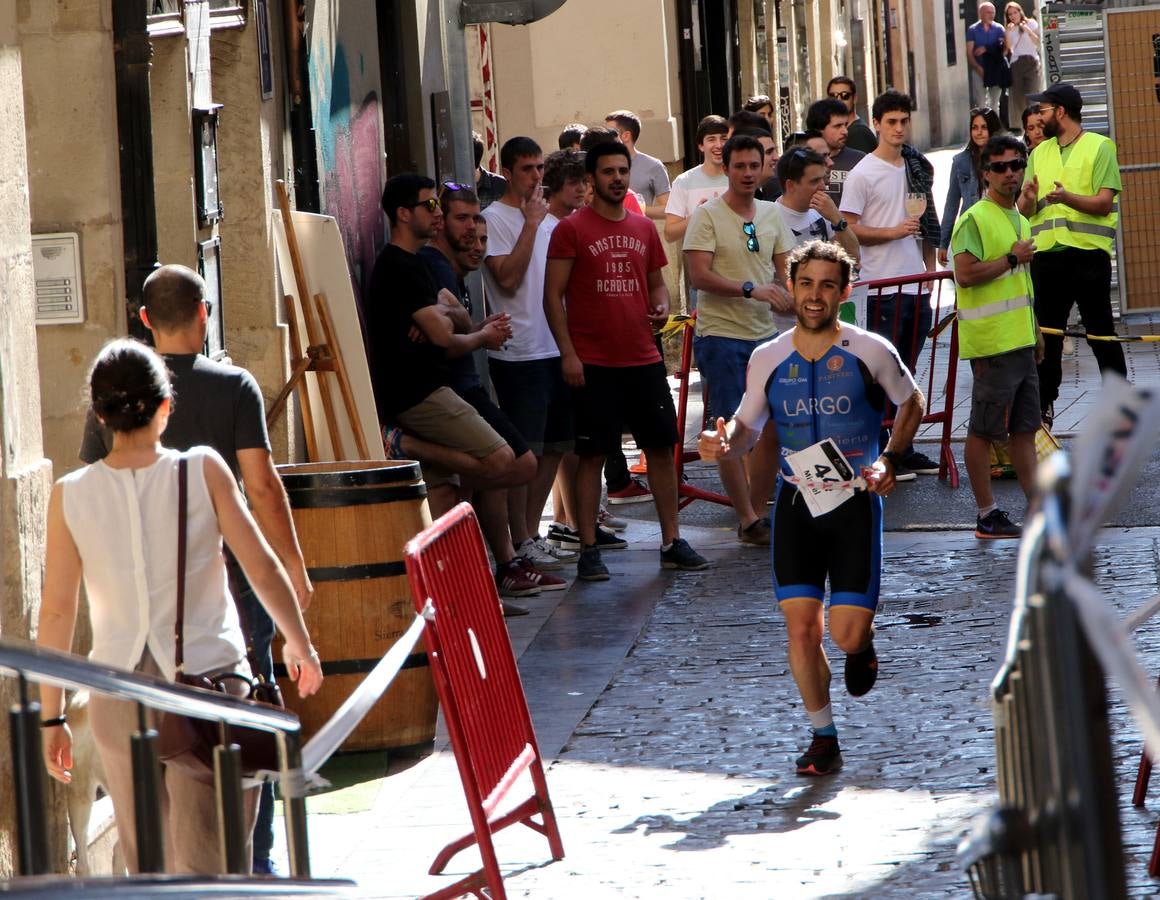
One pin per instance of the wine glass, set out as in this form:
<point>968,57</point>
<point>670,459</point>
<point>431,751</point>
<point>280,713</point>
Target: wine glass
<point>915,206</point>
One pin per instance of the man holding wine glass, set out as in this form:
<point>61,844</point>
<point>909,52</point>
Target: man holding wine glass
<point>887,202</point>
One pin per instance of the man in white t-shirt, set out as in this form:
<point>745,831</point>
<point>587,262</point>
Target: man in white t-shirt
<point>704,182</point>
<point>810,213</point>
<point>649,177</point>
<point>735,252</point>
<point>874,203</point>
<point>525,372</point>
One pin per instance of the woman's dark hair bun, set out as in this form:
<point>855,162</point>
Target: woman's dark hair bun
<point>128,382</point>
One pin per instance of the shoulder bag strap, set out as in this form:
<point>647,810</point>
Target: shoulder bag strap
<point>182,509</point>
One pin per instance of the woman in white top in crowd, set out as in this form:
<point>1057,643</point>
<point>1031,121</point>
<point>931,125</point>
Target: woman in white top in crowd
<point>1023,57</point>
<point>113,525</point>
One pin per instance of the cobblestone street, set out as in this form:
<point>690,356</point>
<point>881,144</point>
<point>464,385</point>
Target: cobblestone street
<point>678,782</point>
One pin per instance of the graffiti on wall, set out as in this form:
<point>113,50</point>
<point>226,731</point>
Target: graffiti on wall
<point>350,144</point>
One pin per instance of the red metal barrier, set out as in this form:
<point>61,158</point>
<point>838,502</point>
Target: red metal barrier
<point>941,349</point>
<point>685,491</point>
<point>480,693</point>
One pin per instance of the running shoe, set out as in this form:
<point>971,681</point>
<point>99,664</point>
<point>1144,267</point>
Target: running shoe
<point>824,757</point>
<point>605,519</point>
<point>636,492</point>
<point>996,526</point>
<point>511,610</point>
<point>681,556</point>
<point>511,580</point>
<point>861,670</point>
<point>920,464</point>
<point>558,553</point>
<point>590,567</point>
<point>569,538</point>
<point>545,581</point>
<point>541,559</point>
<point>756,533</point>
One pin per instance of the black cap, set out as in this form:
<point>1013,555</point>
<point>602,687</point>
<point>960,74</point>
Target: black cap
<point>1062,94</point>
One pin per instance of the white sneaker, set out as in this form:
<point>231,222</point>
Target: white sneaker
<point>609,521</point>
<point>539,559</point>
<point>561,554</point>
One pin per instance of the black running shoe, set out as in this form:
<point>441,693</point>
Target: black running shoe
<point>995,526</point>
<point>920,463</point>
<point>823,758</point>
<point>589,567</point>
<point>681,556</point>
<point>861,670</point>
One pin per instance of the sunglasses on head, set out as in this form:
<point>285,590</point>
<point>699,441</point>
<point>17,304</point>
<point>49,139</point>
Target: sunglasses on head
<point>432,204</point>
<point>450,187</point>
<point>981,111</point>
<point>841,95</point>
<point>1014,165</point>
<point>750,232</point>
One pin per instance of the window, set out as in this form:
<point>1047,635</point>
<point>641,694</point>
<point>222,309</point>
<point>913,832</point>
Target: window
<point>165,16</point>
<point>951,32</point>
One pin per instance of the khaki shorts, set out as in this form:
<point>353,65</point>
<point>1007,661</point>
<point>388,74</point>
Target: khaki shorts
<point>447,419</point>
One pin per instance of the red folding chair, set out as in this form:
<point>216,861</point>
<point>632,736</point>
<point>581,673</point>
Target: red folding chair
<point>480,693</point>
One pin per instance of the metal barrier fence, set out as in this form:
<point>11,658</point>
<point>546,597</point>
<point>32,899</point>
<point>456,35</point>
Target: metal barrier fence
<point>1056,831</point>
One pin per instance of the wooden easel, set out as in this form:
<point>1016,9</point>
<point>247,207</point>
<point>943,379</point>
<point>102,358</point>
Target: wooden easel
<point>322,354</point>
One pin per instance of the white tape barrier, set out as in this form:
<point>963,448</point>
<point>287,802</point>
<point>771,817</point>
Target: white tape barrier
<point>1108,456</point>
<point>1142,613</point>
<point>347,717</point>
<point>1112,644</point>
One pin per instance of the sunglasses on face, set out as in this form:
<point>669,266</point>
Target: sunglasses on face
<point>1014,165</point>
<point>841,95</point>
<point>432,204</point>
<point>750,232</point>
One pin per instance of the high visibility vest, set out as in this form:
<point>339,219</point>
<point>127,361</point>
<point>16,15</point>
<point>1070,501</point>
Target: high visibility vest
<point>995,317</point>
<point>1058,224</point>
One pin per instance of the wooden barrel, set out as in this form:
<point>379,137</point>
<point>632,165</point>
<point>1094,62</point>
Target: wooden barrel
<point>353,519</point>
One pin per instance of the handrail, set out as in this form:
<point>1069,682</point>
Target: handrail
<point>66,670</point>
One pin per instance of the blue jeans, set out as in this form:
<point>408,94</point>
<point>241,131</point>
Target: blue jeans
<point>723,362</point>
<point>259,630</point>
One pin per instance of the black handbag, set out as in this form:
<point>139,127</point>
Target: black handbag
<point>187,742</point>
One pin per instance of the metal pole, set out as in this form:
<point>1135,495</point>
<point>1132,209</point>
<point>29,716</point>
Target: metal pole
<point>147,796</point>
<point>28,773</point>
<point>227,772</point>
<point>294,807</point>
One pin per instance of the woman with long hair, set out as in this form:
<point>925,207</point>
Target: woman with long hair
<point>966,173</point>
<point>113,525</point>
<point>1032,127</point>
<point>1023,57</point>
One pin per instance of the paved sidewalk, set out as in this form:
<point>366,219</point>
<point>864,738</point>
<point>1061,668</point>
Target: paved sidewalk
<point>672,771</point>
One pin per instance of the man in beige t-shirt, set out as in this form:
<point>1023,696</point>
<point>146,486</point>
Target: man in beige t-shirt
<point>735,252</point>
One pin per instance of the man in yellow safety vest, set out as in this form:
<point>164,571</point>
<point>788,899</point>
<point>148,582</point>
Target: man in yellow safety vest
<point>992,248</point>
<point>1070,197</point>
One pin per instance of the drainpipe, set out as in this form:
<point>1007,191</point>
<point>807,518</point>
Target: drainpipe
<point>302,143</point>
<point>132,53</point>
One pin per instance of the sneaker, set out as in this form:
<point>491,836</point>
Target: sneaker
<point>557,553</point>
<point>545,581</point>
<point>920,464</point>
<point>901,473</point>
<point>265,867</point>
<point>756,533</point>
<point>862,670</point>
<point>510,610</point>
<point>590,567</point>
<point>569,538</point>
<point>541,559</point>
<point>605,519</point>
<point>511,580</point>
<point>636,492</point>
<point>823,758</point>
<point>640,467</point>
<point>995,526</point>
<point>681,556</point>
<point>393,443</point>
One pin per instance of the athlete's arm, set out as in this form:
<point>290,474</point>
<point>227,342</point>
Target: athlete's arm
<point>728,441</point>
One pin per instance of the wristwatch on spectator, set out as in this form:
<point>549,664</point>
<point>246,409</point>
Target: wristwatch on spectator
<point>840,225</point>
<point>1012,260</point>
<point>747,290</point>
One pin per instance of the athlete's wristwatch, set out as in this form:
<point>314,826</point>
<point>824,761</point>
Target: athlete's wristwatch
<point>841,226</point>
<point>1012,260</point>
<point>892,457</point>
<point>747,290</point>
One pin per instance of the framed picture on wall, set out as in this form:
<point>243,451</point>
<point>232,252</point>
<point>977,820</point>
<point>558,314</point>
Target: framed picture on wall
<point>209,266</point>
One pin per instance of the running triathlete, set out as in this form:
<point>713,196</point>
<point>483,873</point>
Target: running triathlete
<point>826,379</point>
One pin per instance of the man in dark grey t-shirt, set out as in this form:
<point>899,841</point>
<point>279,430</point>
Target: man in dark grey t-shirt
<point>220,406</point>
<point>831,118</point>
<point>648,175</point>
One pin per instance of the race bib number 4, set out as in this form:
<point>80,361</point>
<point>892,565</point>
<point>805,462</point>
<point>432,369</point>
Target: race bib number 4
<point>824,477</point>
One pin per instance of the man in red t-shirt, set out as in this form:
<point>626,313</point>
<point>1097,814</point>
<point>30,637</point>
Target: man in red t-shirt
<point>606,263</point>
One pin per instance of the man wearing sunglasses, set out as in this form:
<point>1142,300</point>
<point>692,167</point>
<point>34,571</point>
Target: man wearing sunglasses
<point>998,333</point>
<point>861,137</point>
<point>735,252</point>
<point>1073,180</point>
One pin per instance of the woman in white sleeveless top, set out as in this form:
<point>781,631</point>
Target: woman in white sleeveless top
<point>113,525</point>
<point>1023,51</point>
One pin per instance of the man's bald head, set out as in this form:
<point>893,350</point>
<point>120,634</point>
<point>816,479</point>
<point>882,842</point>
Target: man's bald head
<point>173,297</point>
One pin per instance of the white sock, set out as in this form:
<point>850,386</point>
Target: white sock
<point>821,718</point>
<point>985,511</point>
<point>665,548</point>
